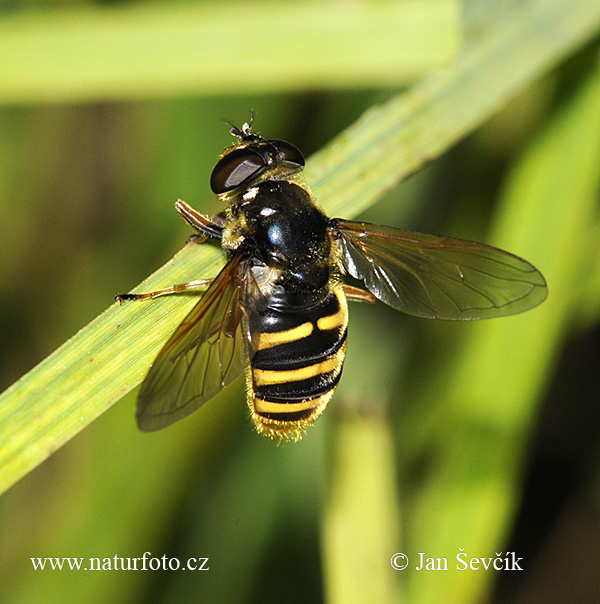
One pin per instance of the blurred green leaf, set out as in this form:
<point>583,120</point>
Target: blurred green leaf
<point>491,387</point>
<point>203,48</point>
<point>110,356</point>
<point>360,523</point>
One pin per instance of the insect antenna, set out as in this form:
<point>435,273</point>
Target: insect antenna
<point>246,130</point>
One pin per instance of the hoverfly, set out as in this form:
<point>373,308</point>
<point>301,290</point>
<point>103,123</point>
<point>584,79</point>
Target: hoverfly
<point>278,308</point>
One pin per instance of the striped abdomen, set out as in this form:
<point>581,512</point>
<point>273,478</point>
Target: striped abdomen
<point>297,365</point>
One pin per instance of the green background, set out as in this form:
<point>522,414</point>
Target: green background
<point>440,436</point>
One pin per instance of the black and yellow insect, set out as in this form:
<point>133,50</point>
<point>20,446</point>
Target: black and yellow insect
<point>278,309</point>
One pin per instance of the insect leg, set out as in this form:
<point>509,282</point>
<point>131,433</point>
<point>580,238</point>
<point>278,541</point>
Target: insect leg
<point>206,228</point>
<point>209,227</point>
<point>174,289</point>
<point>358,295</point>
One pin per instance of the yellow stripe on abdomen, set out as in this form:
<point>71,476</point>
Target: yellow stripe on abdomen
<point>263,377</point>
<point>294,371</point>
<point>336,320</point>
<point>268,340</point>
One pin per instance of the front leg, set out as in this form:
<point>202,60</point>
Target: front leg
<point>208,227</point>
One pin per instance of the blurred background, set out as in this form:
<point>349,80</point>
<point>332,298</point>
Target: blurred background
<point>440,436</point>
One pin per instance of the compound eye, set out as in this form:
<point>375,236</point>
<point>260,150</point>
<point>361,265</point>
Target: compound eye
<point>234,169</point>
<point>289,153</point>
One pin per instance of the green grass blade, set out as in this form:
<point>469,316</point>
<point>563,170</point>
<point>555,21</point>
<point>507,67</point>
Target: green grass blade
<point>514,45</point>
<point>110,356</point>
<point>203,48</point>
<point>490,394</point>
<point>360,524</point>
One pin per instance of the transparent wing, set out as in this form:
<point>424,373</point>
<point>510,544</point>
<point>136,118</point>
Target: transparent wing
<point>204,354</point>
<point>438,277</point>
